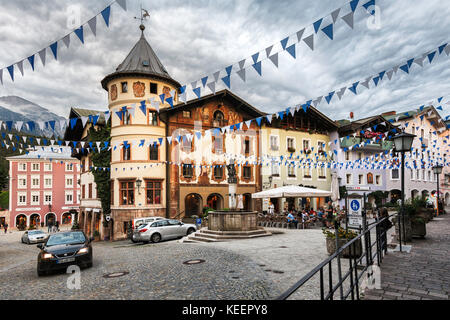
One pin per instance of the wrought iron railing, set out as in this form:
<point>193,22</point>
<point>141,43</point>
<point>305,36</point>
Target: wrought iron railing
<point>361,252</point>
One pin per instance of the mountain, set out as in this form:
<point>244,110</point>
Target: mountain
<point>14,108</point>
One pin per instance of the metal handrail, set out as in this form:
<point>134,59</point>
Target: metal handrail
<point>328,261</point>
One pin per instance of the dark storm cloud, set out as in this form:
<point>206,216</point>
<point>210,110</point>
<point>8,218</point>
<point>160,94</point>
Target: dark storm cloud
<point>196,38</point>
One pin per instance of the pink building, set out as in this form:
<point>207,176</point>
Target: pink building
<point>43,187</point>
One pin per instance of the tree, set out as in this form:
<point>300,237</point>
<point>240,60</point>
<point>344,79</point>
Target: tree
<point>102,160</point>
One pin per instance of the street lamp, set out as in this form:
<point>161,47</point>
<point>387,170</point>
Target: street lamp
<point>437,169</point>
<point>402,144</point>
<point>138,185</point>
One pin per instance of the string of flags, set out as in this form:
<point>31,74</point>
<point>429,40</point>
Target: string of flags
<point>55,46</point>
<point>305,36</point>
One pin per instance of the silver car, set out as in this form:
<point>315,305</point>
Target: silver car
<point>163,230</point>
<point>34,236</point>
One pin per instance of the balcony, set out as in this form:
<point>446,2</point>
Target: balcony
<point>352,141</point>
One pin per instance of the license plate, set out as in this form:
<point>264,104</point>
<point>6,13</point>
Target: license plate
<point>66,260</point>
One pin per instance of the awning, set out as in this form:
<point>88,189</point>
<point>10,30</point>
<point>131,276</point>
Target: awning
<point>291,192</point>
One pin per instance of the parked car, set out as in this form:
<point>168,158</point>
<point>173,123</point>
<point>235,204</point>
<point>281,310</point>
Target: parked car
<point>34,236</point>
<point>139,222</point>
<point>163,230</point>
<point>63,249</point>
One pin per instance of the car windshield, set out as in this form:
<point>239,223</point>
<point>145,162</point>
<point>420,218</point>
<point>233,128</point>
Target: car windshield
<point>35,232</point>
<point>66,238</point>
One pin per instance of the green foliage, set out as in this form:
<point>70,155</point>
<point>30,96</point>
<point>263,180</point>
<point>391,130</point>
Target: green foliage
<point>413,206</point>
<point>4,200</point>
<point>102,159</point>
<point>343,192</point>
<point>379,197</point>
<point>342,234</point>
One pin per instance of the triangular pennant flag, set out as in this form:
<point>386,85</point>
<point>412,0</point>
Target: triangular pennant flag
<point>212,87</point>
<point>389,74</point>
<point>73,122</point>
<point>105,14</point>
<point>274,59</point>
<point>66,40</point>
<point>300,34</point>
<point>227,81</point>
<point>328,30</point>
<point>310,41</point>
<point>204,80</point>
<point>241,74</point>
<point>31,60</point>
<point>123,4</point>
<point>291,50</point>
<point>228,69</point>
<point>353,87</point>
<point>11,71</point>
<point>54,48</point>
<point>79,33</point>
<point>216,76</point>
<point>284,43</point>
<point>431,56</point>
<point>268,50</point>
<point>255,57</point>
<point>42,56</point>
<point>93,25</point>
<point>328,98</point>
<point>348,19</point>
<point>197,92</point>
<point>20,66</point>
<point>335,14</point>
<point>405,68</point>
<point>317,24</point>
<point>257,67</point>
<point>354,4</point>
<point>341,92</point>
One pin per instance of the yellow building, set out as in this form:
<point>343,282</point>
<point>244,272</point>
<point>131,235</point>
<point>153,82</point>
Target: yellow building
<point>295,151</point>
<point>138,173</point>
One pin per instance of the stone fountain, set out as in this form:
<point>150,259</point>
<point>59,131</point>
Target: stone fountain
<point>233,223</point>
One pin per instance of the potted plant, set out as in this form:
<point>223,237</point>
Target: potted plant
<point>344,236</point>
<point>418,227</point>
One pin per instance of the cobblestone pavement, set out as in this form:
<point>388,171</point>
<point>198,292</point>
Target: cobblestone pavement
<point>258,268</point>
<point>422,274</point>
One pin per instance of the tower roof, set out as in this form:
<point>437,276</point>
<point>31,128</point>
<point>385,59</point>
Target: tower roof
<point>141,61</point>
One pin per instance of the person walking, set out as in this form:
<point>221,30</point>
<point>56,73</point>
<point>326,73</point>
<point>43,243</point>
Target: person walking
<point>57,226</point>
<point>6,227</point>
<point>49,226</point>
<point>385,225</point>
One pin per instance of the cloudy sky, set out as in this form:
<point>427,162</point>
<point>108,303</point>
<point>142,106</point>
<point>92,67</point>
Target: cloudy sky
<point>195,38</point>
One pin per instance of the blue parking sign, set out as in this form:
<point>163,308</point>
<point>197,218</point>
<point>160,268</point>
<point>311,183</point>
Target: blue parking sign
<point>354,205</point>
<point>198,221</point>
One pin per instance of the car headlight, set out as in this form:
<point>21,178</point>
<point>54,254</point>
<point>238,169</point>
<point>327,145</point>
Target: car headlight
<point>83,250</point>
<point>47,256</point>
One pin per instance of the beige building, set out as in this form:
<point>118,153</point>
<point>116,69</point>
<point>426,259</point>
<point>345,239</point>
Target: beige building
<point>134,193</point>
<point>296,151</point>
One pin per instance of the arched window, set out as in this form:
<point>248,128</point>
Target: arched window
<point>218,116</point>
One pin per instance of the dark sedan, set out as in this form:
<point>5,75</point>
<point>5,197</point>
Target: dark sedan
<point>64,249</point>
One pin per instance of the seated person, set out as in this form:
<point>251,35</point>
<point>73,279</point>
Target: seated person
<point>291,219</point>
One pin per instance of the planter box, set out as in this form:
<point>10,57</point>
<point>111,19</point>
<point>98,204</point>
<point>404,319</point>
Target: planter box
<point>357,248</point>
<point>407,227</point>
<point>418,229</point>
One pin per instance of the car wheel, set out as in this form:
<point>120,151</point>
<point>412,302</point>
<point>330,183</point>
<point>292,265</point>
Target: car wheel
<point>28,241</point>
<point>190,230</point>
<point>156,237</point>
<point>134,241</point>
<point>41,273</point>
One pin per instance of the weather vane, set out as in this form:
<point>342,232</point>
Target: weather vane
<point>144,14</point>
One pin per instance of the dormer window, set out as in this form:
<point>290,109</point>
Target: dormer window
<point>145,63</point>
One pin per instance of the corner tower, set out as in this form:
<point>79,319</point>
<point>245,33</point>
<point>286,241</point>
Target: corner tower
<point>138,154</point>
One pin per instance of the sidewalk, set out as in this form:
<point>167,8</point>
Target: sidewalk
<point>423,274</point>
